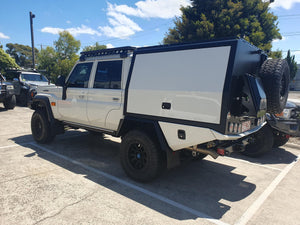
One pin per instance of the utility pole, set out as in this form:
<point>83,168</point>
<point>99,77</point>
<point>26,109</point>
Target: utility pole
<point>32,40</point>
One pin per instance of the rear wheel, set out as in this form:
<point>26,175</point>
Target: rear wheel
<point>10,102</point>
<point>141,158</point>
<point>40,127</point>
<point>261,142</point>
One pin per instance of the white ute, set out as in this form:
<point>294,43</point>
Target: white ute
<point>166,101</point>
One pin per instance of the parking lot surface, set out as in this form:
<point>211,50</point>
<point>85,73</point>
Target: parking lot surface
<point>77,179</point>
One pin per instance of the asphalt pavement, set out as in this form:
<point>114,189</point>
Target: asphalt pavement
<point>77,179</point>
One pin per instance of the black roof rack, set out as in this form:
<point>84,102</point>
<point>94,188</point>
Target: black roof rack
<point>123,51</point>
<point>22,70</point>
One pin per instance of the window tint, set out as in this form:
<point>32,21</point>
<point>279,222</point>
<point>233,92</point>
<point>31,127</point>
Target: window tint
<point>80,75</point>
<point>108,75</point>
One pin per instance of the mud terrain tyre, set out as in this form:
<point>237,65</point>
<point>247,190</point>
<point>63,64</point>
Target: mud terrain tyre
<point>141,158</point>
<point>261,142</point>
<point>10,102</point>
<point>275,75</point>
<point>40,127</point>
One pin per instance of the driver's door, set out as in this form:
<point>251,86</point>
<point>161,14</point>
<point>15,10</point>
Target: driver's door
<point>73,108</point>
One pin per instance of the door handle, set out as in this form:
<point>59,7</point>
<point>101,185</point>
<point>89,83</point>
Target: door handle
<point>115,99</point>
<point>81,96</point>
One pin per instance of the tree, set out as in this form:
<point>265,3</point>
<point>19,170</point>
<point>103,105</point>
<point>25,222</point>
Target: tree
<point>209,19</point>
<point>97,46</point>
<point>21,53</point>
<point>6,61</point>
<point>61,59</point>
<point>48,61</point>
<point>276,54</point>
<point>292,64</point>
<point>66,46</point>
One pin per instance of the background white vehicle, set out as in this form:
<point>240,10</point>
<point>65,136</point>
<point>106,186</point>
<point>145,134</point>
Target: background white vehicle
<point>164,100</point>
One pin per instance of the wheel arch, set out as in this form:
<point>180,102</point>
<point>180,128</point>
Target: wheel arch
<point>42,103</point>
<point>153,129</point>
<point>150,127</point>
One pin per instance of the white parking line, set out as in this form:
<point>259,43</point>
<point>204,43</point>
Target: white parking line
<point>261,199</point>
<point>255,164</point>
<point>137,188</point>
<point>11,146</point>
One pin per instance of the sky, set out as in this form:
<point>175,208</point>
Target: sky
<point>118,23</point>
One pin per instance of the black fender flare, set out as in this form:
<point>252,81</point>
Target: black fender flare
<point>43,102</point>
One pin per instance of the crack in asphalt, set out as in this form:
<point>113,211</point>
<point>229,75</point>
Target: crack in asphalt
<point>67,206</point>
<point>31,175</point>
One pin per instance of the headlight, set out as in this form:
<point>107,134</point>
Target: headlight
<point>9,87</point>
<point>286,113</point>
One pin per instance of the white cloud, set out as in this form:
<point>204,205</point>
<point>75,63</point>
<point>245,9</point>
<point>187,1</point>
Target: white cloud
<point>52,30</point>
<point>109,45</point>
<point>278,40</point>
<point>164,9</point>
<point>3,36</point>
<point>286,4</point>
<point>68,22</point>
<point>83,30</point>
<point>120,25</point>
<point>75,31</point>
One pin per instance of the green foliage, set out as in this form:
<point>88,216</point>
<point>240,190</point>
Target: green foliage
<point>276,54</point>
<point>97,46</point>
<point>6,61</point>
<point>61,59</point>
<point>21,53</point>
<point>209,19</point>
<point>66,46</point>
<point>292,64</point>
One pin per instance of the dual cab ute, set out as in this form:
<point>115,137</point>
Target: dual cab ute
<point>198,98</point>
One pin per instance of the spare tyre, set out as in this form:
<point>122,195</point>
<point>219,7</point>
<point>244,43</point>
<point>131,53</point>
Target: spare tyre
<point>275,75</point>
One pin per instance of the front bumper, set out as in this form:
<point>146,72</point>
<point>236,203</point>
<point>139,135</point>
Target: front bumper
<point>287,126</point>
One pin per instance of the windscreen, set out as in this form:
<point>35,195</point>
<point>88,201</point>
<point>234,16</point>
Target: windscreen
<point>33,77</point>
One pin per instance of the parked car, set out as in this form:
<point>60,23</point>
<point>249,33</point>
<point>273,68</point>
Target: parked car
<point>280,127</point>
<point>25,84</point>
<point>7,93</point>
<point>161,100</point>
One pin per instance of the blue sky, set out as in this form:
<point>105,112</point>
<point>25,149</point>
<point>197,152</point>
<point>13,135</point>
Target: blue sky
<point>117,23</point>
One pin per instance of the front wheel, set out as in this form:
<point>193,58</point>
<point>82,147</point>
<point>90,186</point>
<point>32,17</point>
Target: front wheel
<point>40,127</point>
<point>260,142</point>
<point>141,158</point>
<point>280,139</point>
<point>10,102</point>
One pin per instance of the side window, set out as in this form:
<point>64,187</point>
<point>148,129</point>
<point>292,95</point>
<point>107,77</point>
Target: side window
<point>80,76</point>
<point>108,75</point>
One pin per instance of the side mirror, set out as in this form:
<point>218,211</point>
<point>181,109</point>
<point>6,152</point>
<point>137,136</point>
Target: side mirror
<point>61,80</point>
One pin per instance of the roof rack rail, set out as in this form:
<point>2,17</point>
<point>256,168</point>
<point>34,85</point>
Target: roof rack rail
<point>123,51</point>
<point>22,70</point>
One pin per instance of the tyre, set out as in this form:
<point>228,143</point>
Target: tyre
<point>275,75</point>
<point>141,158</point>
<point>23,98</point>
<point>10,102</point>
<point>280,139</point>
<point>261,142</point>
<point>40,127</point>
